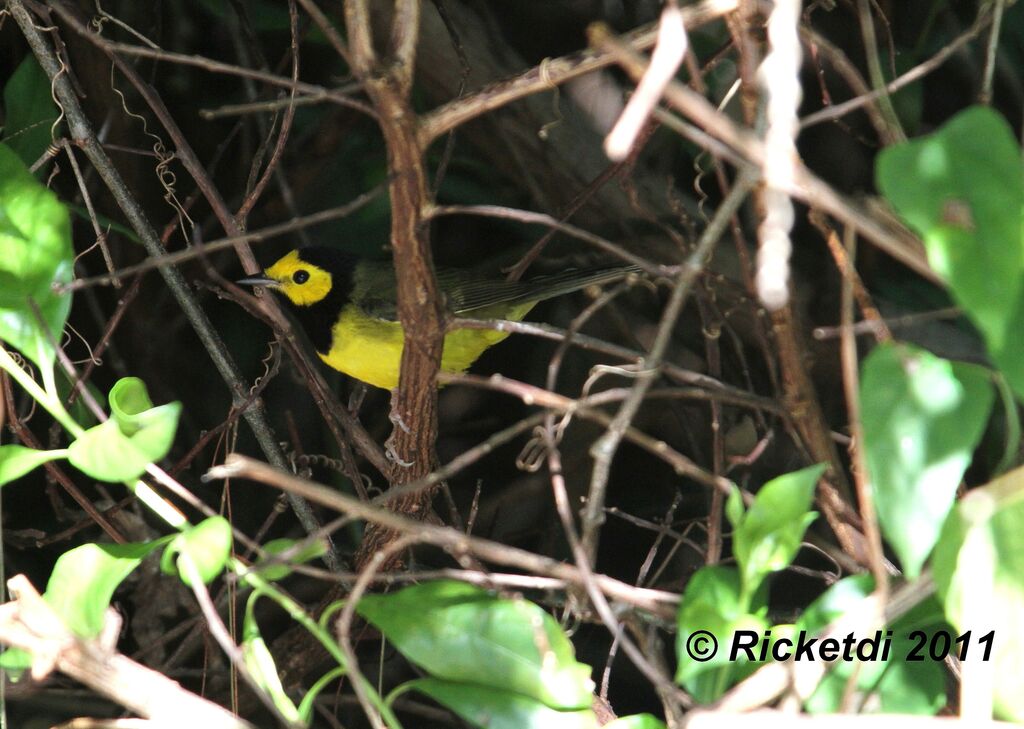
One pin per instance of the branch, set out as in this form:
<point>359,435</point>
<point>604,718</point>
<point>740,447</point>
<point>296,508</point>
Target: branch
<point>420,304</point>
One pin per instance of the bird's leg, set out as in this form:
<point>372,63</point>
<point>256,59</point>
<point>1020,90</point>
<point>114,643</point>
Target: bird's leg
<point>394,416</point>
<point>391,455</point>
<point>396,420</point>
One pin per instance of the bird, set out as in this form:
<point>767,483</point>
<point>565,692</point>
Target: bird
<point>348,307</point>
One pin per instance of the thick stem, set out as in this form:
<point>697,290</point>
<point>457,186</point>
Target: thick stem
<point>420,305</point>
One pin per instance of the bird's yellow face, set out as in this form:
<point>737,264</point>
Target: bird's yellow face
<point>303,283</point>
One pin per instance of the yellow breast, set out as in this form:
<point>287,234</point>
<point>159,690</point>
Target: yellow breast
<point>371,349</point>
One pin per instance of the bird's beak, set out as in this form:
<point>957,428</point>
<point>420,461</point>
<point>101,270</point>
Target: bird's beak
<point>260,280</point>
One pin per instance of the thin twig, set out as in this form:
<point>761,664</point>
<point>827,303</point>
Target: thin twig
<point>985,95</point>
<point>101,236</point>
<point>848,271</point>
<point>870,326</point>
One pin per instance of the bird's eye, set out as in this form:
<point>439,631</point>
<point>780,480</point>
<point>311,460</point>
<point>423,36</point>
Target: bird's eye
<point>301,276</point>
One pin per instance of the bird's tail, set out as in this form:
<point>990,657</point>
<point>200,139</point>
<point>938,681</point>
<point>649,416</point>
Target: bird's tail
<point>469,295</point>
<point>573,279</point>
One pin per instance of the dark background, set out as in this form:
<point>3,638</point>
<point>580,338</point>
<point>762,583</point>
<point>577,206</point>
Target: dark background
<point>334,154</point>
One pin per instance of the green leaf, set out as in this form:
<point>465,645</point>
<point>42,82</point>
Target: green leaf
<point>84,579</point>
<point>962,188</point>
<point>104,453</point>
<point>493,708</point>
<point>462,633</point>
<point>35,252</point>
<point>260,662</point>
<point>768,536</point>
<point>979,575</point>
<point>138,434</point>
<point>151,429</point>
<point>923,417</point>
<point>278,571</point>
<point>128,398</point>
<point>711,610</point>
<point>636,721</point>
<point>30,111</point>
<point>16,461</point>
<point>207,544</point>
